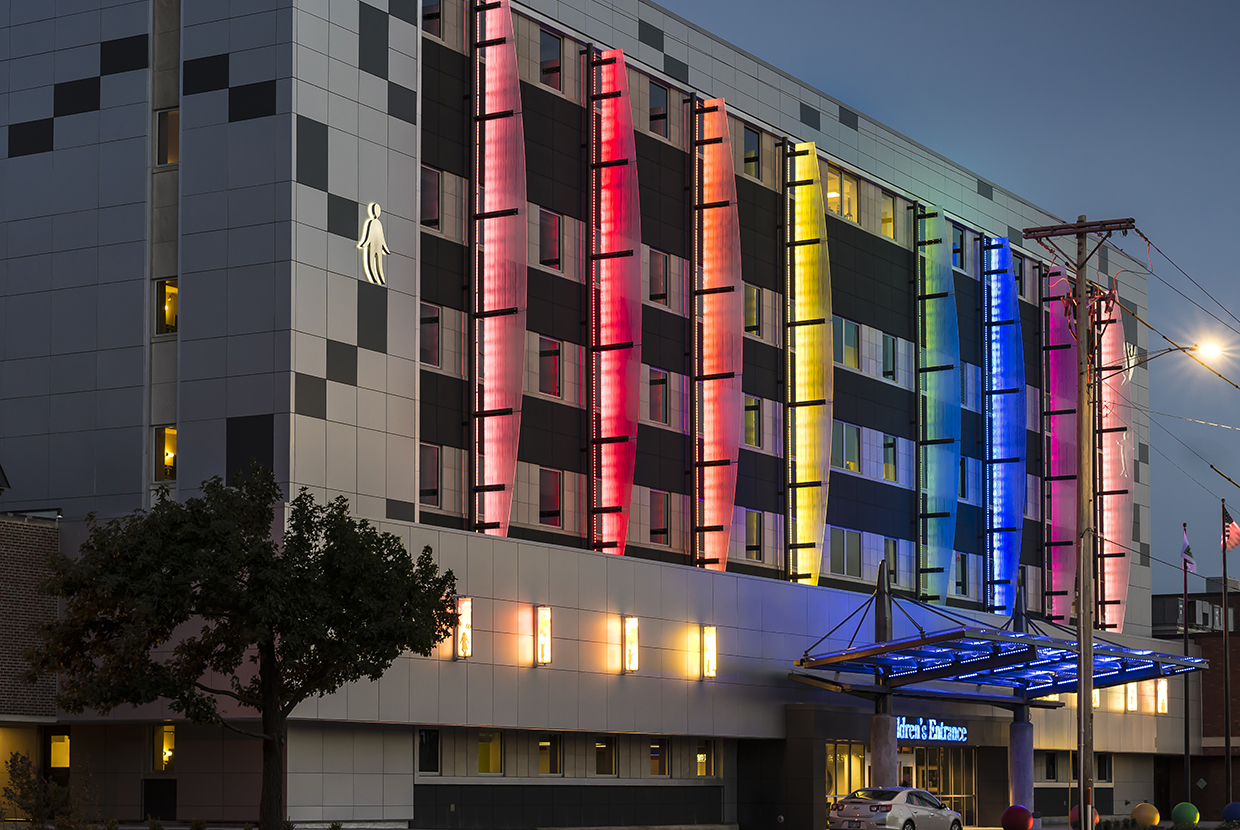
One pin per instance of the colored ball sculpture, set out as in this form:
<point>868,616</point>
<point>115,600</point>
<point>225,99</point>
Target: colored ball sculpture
<point>1232,811</point>
<point>1145,815</point>
<point>1185,813</point>
<point>1017,817</point>
<point>1074,816</point>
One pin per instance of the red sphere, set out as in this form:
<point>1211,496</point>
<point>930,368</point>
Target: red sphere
<point>1017,817</point>
<point>1075,813</point>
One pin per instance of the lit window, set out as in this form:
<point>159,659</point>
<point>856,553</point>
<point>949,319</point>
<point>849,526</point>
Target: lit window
<point>428,751</point>
<point>549,51</point>
<point>845,552</point>
<point>710,651</point>
<point>846,446</point>
<point>705,760</point>
<point>841,193</point>
<point>167,300</point>
<point>1097,701</point>
<point>58,758</point>
<point>464,627</point>
<point>165,748</point>
<point>1160,689</point>
<point>753,422</point>
<point>962,574</point>
<point>630,647</point>
<point>549,366</point>
<point>1130,696</point>
<point>548,238</point>
<point>166,454</point>
<point>490,753</point>
<point>889,554</point>
<point>549,497</point>
<point>846,336</point>
<point>430,17</point>
<point>428,332</point>
<point>430,197</point>
<point>428,475</point>
<point>658,109</point>
<point>889,457</point>
<point>658,396</point>
<point>658,518</point>
<point>753,153</point>
<point>888,215</point>
<point>550,754</point>
<point>958,260</point>
<point>542,634</point>
<point>660,748</point>
<point>889,357</point>
<point>753,310</point>
<point>658,277</point>
<point>753,535</point>
<point>604,756</point>
<point>168,143</point>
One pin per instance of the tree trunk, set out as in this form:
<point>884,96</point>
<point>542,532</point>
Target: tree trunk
<point>275,727</point>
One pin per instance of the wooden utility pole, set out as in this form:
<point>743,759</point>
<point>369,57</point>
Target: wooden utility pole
<point>1086,445</point>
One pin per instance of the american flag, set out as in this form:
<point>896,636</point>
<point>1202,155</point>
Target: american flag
<point>1186,553</point>
<point>1231,535</point>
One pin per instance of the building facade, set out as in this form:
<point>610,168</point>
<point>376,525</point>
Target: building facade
<point>540,284</point>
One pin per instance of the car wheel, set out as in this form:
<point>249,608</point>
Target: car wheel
<point>955,825</point>
<point>908,825</point>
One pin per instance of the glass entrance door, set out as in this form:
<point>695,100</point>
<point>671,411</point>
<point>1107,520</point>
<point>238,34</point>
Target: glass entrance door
<point>949,773</point>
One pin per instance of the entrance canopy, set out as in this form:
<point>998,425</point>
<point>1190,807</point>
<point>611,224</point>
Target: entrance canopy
<point>1032,665</point>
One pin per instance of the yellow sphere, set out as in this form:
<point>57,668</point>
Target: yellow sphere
<point>1145,815</point>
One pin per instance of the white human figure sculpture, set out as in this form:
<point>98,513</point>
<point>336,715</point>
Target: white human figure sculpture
<point>373,246</point>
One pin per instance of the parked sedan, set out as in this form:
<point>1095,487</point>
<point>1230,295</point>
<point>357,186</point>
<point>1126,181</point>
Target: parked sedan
<point>892,808</point>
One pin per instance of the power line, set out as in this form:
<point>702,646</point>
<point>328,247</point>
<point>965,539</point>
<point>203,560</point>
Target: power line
<point>1200,288</point>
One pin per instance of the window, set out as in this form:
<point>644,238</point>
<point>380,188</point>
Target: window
<point>428,475</point>
<point>753,535</point>
<point>846,446</point>
<point>604,756</point>
<point>845,552</point>
<point>890,548</point>
<point>430,17</point>
<point>490,753</point>
<point>846,342</point>
<point>549,366</point>
<point>428,751</point>
<point>165,748</point>
<point>658,396</point>
<point>962,574</point>
<point>428,345</point>
<point>58,757</point>
<point>658,277</point>
<point>1102,766</point>
<point>1052,766</point>
<point>168,142</point>
<point>753,422</point>
<point>841,193</point>
<point>658,518</point>
<point>549,59</point>
<point>888,215</point>
<point>550,755</point>
<point>549,491</point>
<point>1132,699</point>
<point>660,749</point>
<point>165,454</point>
<point>753,310</point>
<point>964,478</point>
<point>889,458</point>
<point>705,757</point>
<point>548,238</point>
<point>1018,272</point>
<point>958,260</point>
<point>753,153</point>
<point>658,109</point>
<point>167,301</point>
<point>889,357</point>
<point>430,197</point>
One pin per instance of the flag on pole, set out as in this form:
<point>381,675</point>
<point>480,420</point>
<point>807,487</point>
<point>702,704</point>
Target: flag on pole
<point>1231,537</point>
<point>1186,553</point>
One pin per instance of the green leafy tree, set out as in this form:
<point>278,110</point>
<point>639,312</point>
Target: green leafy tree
<point>211,599</point>
<point>41,801</point>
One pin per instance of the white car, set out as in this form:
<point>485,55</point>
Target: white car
<point>892,808</point>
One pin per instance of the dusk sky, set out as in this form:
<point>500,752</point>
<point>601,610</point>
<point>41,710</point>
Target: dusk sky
<point>1109,109</point>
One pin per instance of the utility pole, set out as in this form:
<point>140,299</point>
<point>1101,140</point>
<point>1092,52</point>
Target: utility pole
<point>1086,445</point>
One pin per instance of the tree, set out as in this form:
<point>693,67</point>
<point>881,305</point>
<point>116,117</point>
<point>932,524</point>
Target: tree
<point>210,599</point>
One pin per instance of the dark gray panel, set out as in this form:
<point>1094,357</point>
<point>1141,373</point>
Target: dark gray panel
<point>372,40</point>
<point>650,34</point>
<point>402,103</point>
<point>342,216</point>
<point>204,74</point>
<point>441,413</point>
<point>661,177</point>
<point>763,370</point>
<point>551,435</point>
<point>250,440</point>
<point>760,482</point>
<point>30,137</point>
<point>124,54</point>
<point>969,528</point>
<point>985,190</point>
<point>312,153</point>
<point>406,10</point>
<point>675,68</point>
<point>873,403</point>
<point>759,212</point>
<point>811,117</point>
<point>870,279</point>
<point>553,150</point>
<point>252,101</point>
<point>862,504</point>
<point>662,459</point>
<point>848,118</point>
<point>371,317</point>
<point>310,396</point>
<point>555,307</point>
<point>401,511</point>
<point>1015,236</point>
<point>443,272</point>
<point>445,97</point>
<point>342,362</point>
<point>73,97</point>
<point>969,318</point>
<point>665,338</point>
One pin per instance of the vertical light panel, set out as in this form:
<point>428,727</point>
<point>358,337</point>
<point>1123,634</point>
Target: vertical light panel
<point>464,627</point>
<point>630,645</point>
<point>1005,425</point>
<point>710,651</point>
<point>719,341</point>
<point>615,302</point>
<point>1130,697</point>
<point>542,634</point>
<point>500,265</point>
<point>1061,461</point>
<point>810,367</point>
<point>1160,692</point>
<point>938,372</point>
<point>1117,442</point>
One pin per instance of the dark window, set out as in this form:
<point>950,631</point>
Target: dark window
<point>550,754</point>
<point>658,109</point>
<point>753,421</point>
<point>846,446</point>
<point>753,535</point>
<point>428,475</point>
<point>1102,766</point>
<point>1018,272</point>
<point>1052,766</point>
<point>430,18</point>
<point>889,357</point>
<point>549,238</point>
<point>549,497</point>
<point>846,342</point>
<point>549,366</point>
<point>845,552</point>
<point>958,247</point>
<point>604,756</point>
<point>964,478</point>
<point>430,197</point>
<point>428,347</point>
<point>658,518</point>
<point>753,309</point>
<point>549,51</point>
<point>165,454</point>
<point>168,144</point>
<point>753,153</point>
<point>962,574</point>
<point>167,307</point>
<point>889,458</point>
<point>658,277</point>
<point>428,751</point>
<point>658,396</point>
<point>889,553</point>
<point>660,752</point>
